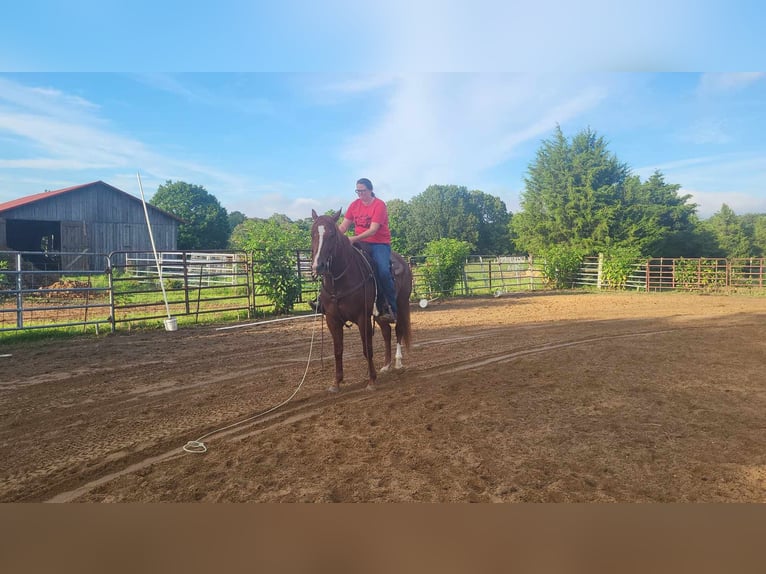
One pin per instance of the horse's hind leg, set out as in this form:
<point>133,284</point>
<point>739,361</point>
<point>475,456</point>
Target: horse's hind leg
<point>385,330</point>
<point>399,335</point>
<point>365,330</point>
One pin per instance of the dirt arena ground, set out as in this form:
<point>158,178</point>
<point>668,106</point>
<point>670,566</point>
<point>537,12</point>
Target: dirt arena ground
<point>569,397</point>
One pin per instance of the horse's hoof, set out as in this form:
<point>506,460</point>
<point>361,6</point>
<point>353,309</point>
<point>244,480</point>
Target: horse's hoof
<point>371,387</point>
<point>385,369</point>
<point>333,389</point>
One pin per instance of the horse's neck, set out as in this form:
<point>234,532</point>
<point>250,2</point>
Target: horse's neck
<point>344,256</point>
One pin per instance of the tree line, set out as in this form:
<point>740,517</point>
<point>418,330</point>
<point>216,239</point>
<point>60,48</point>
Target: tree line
<point>578,197</point>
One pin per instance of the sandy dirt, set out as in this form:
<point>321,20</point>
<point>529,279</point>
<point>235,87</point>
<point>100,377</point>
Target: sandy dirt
<point>576,397</point>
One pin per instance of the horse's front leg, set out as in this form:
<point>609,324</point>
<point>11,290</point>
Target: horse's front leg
<point>365,331</point>
<point>336,330</point>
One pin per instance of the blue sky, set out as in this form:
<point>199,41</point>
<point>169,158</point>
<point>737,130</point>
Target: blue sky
<point>279,109</point>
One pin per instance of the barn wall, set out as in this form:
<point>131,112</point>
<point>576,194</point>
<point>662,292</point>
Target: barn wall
<point>3,242</point>
<point>100,219</point>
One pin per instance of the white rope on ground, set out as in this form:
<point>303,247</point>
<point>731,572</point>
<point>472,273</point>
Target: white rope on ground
<point>197,446</point>
<point>309,316</point>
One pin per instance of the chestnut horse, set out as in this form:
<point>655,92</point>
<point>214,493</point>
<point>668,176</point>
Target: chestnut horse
<point>348,294</point>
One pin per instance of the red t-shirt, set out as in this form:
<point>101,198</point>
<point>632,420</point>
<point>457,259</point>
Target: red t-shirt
<point>364,215</point>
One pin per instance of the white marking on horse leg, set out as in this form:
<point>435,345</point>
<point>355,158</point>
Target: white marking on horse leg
<point>320,232</point>
<point>398,356</point>
<point>385,368</point>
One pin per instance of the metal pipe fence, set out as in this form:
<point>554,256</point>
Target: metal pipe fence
<point>121,289</point>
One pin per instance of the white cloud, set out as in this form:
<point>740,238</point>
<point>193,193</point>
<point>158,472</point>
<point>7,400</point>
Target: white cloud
<point>710,202</point>
<point>707,131</point>
<point>728,81</point>
<point>743,177</point>
<point>65,134</point>
<point>452,128</point>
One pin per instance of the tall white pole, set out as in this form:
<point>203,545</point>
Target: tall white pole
<point>154,248</point>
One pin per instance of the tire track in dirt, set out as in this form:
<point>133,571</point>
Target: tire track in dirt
<point>248,428</point>
<point>505,357</point>
<point>315,405</point>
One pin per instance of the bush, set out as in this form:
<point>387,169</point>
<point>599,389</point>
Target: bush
<point>445,259</point>
<point>561,265</point>
<point>619,263</point>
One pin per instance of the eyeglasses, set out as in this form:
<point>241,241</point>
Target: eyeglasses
<point>361,190</point>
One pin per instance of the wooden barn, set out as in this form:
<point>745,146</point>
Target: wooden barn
<point>77,226</point>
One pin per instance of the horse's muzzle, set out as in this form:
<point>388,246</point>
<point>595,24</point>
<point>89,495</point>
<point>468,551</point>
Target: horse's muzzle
<point>319,269</point>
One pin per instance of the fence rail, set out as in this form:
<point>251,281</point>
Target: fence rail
<point>231,285</point>
<point>680,274</point>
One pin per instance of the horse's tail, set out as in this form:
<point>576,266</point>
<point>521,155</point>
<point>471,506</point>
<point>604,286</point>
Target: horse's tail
<point>403,314</point>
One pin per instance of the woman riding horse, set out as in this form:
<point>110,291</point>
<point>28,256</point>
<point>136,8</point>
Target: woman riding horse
<point>348,293</point>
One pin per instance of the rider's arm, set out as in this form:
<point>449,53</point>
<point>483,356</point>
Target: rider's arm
<point>345,225</point>
<point>374,226</point>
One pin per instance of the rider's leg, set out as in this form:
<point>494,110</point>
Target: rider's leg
<point>381,255</point>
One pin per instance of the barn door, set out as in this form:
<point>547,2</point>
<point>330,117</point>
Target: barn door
<point>74,242</point>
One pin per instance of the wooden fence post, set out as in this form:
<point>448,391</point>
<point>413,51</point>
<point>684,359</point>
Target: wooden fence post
<point>600,270</point>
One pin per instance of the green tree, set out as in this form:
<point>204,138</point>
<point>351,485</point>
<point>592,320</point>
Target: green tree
<point>442,212</point>
<point>274,242</point>
<point>729,233</point>
<point>492,221</point>
<point>580,195</point>
<point>206,225</point>
<point>754,225</point>
<point>399,221</point>
<point>235,218</point>
<point>571,196</point>
<point>657,220</point>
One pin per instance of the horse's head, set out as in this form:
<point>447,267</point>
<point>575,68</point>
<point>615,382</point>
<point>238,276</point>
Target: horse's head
<point>324,240</point>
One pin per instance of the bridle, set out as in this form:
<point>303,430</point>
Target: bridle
<point>327,275</point>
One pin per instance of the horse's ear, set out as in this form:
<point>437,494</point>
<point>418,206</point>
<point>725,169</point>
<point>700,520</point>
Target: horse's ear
<point>314,214</point>
<point>338,214</point>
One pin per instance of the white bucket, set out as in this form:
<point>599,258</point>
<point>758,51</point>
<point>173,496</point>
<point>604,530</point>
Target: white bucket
<point>171,324</point>
<point>423,303</point>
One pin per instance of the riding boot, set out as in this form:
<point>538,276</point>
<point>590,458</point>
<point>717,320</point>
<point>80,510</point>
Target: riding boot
<point>387,314</point>
<point>316,305</point>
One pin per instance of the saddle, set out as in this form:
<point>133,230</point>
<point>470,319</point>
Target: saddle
<point>397,267</point>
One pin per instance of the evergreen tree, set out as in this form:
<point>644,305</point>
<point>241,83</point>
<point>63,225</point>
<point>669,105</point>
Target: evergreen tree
<point>729,233</point>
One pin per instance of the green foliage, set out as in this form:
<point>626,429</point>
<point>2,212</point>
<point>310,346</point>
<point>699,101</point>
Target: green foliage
<point>654,218</point>
<point>493,219</point>
<point>444,264</point>
<point>5,280</point>
<point>578,194</point>
<point>206,225</point>
<point>730,234</point>
<point>235,218</point>
<point>571,194</point>
<point>398,223</point>
<point>561,265</point>
<point>619,263</point>
<point>758,230</point>
<point>695,273</point>
<point>450,211</point>
<point>276,241</point>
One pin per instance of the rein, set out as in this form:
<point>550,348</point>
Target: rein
<point>329,280</point>
<point>334,292</point>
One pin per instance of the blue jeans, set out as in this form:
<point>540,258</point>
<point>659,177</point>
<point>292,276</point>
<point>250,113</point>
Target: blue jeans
<point>381,256</point>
